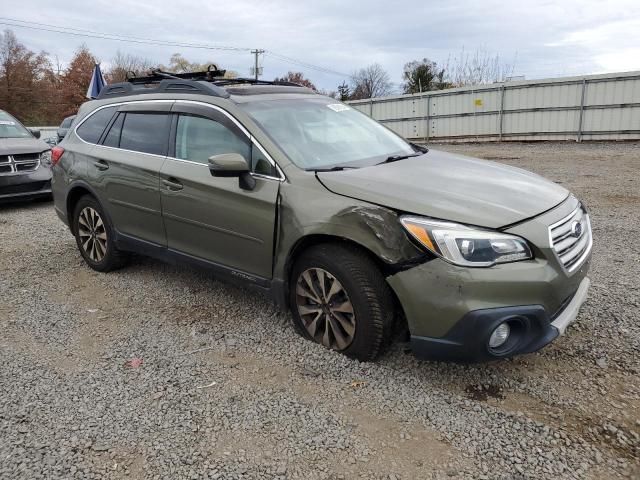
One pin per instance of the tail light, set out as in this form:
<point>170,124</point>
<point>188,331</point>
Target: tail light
<point>56,153</point>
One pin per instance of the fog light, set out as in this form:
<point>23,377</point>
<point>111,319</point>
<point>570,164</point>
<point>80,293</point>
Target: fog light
<point>499,335</point>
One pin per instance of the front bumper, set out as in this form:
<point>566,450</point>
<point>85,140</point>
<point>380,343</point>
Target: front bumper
<point>451,311</point>
<point>531,329</point>
<point>27,185</point>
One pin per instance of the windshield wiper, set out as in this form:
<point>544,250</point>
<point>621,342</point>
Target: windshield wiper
<point>336,168</point>
<point>395,158</point>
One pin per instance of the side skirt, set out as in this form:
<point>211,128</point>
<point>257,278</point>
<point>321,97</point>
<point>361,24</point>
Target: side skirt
<point>237,277</point>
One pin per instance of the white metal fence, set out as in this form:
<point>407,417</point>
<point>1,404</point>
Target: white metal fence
<point>594,107</point>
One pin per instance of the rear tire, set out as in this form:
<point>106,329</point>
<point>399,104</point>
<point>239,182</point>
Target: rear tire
<point>95,236</point>
<point>340,299</point>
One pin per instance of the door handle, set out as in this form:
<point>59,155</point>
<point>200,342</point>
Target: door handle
<point>101,165</point>
<point>172,184</point>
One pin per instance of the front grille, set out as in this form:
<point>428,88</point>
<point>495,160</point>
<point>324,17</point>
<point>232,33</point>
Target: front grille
<point>571,239</point>
<point>21,163</point>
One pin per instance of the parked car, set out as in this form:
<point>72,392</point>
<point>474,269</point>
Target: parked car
<point>64,127</point>
<point>24,161</point>
<point>336,217</point>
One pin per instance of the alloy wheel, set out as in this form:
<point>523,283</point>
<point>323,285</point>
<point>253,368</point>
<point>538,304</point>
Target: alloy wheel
<point>93,234</point>
<point>325,309</point>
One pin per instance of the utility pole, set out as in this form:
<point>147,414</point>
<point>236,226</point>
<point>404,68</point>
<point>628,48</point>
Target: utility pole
<point>256,52</point>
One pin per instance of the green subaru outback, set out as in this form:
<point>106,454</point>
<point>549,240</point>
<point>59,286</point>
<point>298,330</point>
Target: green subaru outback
<point>337,218</point>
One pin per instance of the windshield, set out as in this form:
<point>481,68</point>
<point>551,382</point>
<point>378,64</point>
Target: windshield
<point>11,128</point>
<point>318,133</point>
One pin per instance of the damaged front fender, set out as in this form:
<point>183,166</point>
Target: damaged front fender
<point>373,227</point>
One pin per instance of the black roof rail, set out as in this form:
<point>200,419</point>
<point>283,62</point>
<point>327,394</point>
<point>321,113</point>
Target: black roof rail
<point>166,85</point>
<point>253,81</point>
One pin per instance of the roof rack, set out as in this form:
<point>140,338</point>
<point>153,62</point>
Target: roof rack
<point>211,73</point>
<point>209,82</point>
<point>163,86</point>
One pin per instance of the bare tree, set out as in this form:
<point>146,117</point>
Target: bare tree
<point>478,68</point>
<point>179,64</point>
<point>372,81</point>
<point>124,64</point>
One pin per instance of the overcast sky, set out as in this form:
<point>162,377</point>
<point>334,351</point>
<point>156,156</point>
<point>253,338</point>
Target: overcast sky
<point>542,38</point>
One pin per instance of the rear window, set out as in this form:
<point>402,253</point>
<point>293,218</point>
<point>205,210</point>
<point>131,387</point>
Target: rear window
<point>145,132</point>
<point>91,129</point>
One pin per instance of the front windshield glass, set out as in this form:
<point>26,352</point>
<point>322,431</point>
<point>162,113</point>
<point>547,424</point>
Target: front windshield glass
<point>318,133</point>
<point>11,128</point>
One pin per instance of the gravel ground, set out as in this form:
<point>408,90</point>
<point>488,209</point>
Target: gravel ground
<point>158,371</point>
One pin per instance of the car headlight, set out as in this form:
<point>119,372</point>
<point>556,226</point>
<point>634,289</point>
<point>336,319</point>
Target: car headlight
<point>466,246</point>
<point>45,158</point>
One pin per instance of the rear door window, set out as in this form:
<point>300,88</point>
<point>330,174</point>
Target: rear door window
<point>113,137</point>
<point>145,132</point>
<point>91,129</point>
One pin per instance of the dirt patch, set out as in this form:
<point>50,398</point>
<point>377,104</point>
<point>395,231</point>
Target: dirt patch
<point>483,392</point>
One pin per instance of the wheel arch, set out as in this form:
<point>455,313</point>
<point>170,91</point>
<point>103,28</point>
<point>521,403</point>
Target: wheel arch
<point>311,240</point>
<point>76,192</point>
<point>308,241</point>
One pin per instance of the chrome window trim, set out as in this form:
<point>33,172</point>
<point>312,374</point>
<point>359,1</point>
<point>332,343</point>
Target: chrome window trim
<point>129,151</point>
<point>280,178</point>
<point>75,129</point>
<point>255,175</point>
<point>242,128</point>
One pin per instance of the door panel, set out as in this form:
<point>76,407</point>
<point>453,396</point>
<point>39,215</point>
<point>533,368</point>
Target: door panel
<point>129,180</point>
<point>214,219</point>
<point>130,186</point>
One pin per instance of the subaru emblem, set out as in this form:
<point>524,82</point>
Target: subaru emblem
<point>576,229</point>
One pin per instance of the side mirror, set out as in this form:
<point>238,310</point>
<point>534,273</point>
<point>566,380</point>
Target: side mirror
<point>228,165</point>
<point>34,132</point>
<point>232,165</point>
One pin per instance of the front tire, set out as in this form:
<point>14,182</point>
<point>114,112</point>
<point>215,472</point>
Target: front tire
<point>340,299</point>
<point>94,236</point>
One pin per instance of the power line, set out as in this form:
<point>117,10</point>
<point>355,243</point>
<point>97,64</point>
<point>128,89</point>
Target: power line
<point>79,32</point>
<point>109,36</point>
<point>305,64</point>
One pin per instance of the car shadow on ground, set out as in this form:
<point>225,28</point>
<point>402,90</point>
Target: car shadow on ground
<point>11,205</point>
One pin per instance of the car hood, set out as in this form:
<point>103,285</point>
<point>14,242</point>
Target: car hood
<point>450,187</point>
<point>13,146</point>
